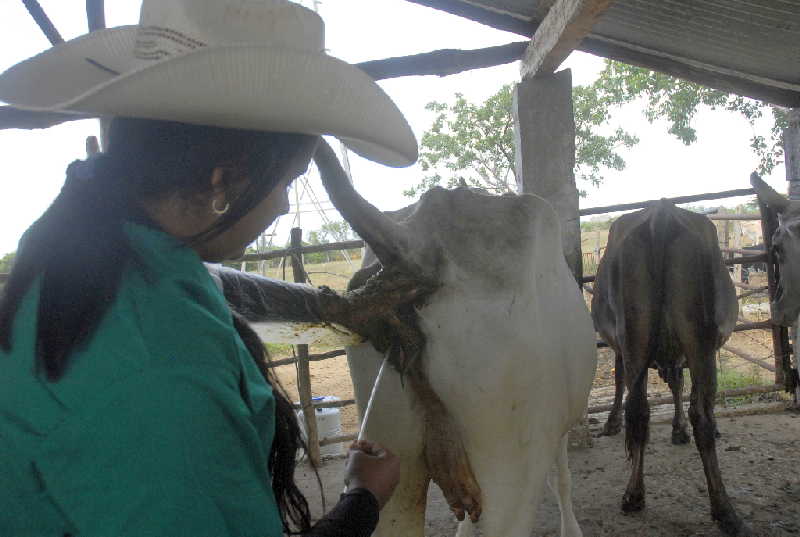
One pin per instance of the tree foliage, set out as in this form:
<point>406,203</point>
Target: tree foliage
<point>474,143</point>
<point>6,262</point>
<point>677,101</point>
<point>335,231</point>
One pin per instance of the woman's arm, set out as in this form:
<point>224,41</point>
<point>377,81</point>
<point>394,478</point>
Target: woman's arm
<point>260,299</point>
<point>356,515</point>
<point>362,310</point>
<point>372,473</point>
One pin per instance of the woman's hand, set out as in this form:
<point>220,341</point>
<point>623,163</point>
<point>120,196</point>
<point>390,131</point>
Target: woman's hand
<point>373,467</point>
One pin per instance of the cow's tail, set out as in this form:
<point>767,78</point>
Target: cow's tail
<point>637,413</point>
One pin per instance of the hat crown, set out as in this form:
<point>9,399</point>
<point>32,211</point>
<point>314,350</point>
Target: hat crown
<point>173,27</point>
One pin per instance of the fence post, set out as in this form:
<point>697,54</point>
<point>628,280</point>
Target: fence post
<point>303,372</point>
<point>780,335</point>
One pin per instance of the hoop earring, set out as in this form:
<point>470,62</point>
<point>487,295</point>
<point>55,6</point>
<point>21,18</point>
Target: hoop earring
<point>216,210</point>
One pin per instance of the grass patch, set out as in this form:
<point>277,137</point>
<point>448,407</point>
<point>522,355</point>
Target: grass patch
<point>279,350</point>
<point>731,379</point>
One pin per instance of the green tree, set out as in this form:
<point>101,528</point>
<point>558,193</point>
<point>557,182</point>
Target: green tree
<point>474,143</point>
<point>678,101</point>
<point>337,231</point>
<point>6,262</point>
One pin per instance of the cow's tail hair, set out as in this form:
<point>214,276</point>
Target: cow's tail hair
<point>660,228</point>
<point>637,412</point>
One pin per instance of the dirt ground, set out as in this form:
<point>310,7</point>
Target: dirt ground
<point>759,456</point>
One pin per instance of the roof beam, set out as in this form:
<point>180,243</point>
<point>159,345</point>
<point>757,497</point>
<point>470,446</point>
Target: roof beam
<point>44,22</point>
<point>500,21</point>
<point>443,62</point>
<point>566,24</point>
<point>14,118</point>
<point>95,14</point>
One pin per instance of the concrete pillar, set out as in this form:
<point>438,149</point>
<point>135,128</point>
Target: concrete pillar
<point>545,152</point>
<point>791,151</point>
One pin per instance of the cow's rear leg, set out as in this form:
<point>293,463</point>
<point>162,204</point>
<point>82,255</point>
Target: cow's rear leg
<point>680,433</point>
<point>562,488</point>
<point>637,426</point>
<point>701,413</point>
<point>614,422</point>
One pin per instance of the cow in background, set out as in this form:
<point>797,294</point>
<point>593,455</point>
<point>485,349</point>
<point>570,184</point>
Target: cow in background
<point>663,298</point>
<point>786,249</point>
<point>750,268</point>
<point>508,361</point>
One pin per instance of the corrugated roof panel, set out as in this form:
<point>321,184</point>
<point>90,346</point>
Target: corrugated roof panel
<point>757,37</point>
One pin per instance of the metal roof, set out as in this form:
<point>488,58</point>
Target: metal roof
<point>757,41</point>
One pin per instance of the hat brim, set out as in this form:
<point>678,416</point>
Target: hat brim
<point>238,86</point>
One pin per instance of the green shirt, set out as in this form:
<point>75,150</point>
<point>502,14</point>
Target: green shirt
<point>161,426</point>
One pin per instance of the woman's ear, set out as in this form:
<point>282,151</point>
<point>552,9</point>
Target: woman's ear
<point>226,186</point>
<point>219,187</point>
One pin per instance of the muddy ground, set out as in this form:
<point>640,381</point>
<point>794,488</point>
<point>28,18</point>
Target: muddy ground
<point>760,460</point>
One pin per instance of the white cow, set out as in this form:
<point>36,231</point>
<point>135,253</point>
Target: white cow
<point>510,352</point>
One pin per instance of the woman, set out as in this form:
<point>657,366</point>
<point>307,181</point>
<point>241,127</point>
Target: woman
<point>132,402</point>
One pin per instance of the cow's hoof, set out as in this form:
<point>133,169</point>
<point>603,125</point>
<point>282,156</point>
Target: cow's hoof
<point>732,525</point>
<point>632,503</point>
<point>680,437</point>
<point>611,428</point>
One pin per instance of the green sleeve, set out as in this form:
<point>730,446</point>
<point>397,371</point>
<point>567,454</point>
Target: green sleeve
<point>173,451</point>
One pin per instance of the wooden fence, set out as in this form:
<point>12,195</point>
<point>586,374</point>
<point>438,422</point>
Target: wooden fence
<point>781,348</point>
<point>780,337</point>
<point>779,334</point>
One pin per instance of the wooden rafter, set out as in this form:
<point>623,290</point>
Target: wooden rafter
<point>43,21</point>
<point>443,62</point>
<point>13,118</point>
<point>479,14</point>
<point>566,24</point>
<point>95,14</point>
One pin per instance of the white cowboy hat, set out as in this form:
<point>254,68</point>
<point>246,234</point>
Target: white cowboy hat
<point>249,64</point>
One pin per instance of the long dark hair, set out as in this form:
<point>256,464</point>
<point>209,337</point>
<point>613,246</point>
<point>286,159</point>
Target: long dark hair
<point>79,249</point>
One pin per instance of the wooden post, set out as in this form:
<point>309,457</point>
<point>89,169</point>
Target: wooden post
<point>791,152</point>
<point>544,131</point>
<point>780,335</point>
<point>303,372</point>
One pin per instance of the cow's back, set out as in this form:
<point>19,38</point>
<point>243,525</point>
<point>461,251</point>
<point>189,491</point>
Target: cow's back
<point>662,285</point>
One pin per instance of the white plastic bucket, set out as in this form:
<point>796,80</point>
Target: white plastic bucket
<point>329,424</point>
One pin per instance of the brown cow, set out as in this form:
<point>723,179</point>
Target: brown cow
<point>663,298</point>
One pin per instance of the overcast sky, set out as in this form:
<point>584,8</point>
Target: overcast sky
<point>357,30</point>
